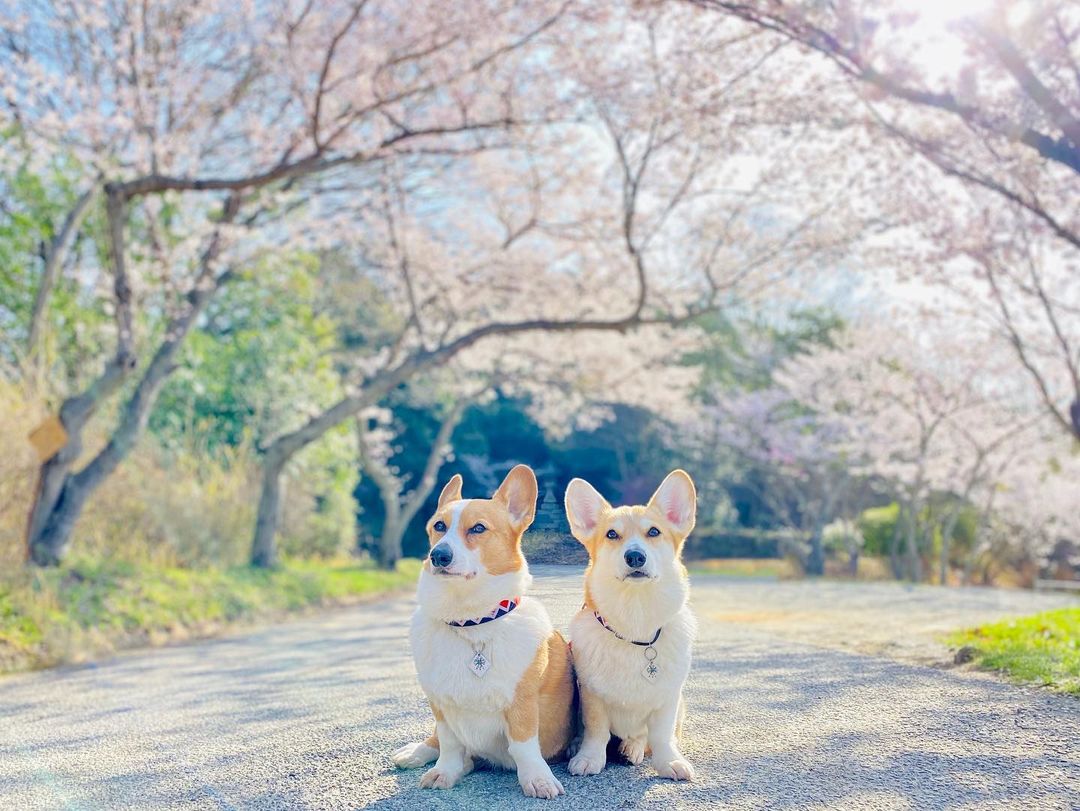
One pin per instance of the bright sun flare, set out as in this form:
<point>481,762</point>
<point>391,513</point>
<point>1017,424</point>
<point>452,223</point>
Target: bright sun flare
<point>937,47</point>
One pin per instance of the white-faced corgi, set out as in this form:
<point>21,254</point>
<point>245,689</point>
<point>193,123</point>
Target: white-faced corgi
<point>497,675</point>
<point>632,639</point>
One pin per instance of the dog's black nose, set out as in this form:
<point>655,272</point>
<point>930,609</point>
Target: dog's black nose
<point>442,555</point>
<point>634,558</point>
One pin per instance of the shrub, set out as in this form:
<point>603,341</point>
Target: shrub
<point>177,506</point>
<point>877,525</point>
<point>738,542</point>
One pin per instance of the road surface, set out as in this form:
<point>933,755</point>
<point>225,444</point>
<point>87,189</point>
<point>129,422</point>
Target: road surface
<point>303,715</point>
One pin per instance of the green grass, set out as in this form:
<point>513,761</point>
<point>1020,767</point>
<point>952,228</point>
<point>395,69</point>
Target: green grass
<point>1042,649</point>
<point>766,568</point>
<point>91,608</point>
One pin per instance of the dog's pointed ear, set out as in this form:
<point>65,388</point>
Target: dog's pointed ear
<point>584,506</point>
<point>677,500</point>
<point>518,493</point>
<point>451,492</point>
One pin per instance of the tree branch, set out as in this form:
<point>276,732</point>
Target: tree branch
<point>54,260</point>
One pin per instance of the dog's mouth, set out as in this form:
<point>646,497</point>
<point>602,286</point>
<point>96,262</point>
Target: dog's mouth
<point>463,575</point>
<point>637,575</point>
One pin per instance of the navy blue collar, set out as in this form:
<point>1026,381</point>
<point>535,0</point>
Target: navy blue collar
<point>656,636</point>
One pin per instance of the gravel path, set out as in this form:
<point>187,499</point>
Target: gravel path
<point>303,715</point>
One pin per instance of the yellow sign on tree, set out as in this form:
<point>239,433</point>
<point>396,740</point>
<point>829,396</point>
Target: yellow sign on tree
<point>48,438</point>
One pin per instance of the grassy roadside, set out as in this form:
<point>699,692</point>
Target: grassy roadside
<point>869,568</point>
<point>88,609</point>
<point>1043,649</point>
<point>764,568</point>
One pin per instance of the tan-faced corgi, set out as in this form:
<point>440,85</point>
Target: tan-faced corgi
<point>632,638</point>
<point>497,675</point>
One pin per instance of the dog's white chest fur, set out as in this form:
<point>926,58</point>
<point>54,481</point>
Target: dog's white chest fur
<point>473,705</point>
<point>613,668</point>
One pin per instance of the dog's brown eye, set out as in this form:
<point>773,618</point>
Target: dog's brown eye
<point>613,534</point>
<point>440,526</point>
<point>653,532</point>
<point>476,529</point>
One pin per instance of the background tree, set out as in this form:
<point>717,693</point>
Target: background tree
<point>402,495</point>
<point>990,98</point>
<point>186,147</point>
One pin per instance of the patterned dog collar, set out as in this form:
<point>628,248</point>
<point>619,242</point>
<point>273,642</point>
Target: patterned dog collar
<point>501,610</point>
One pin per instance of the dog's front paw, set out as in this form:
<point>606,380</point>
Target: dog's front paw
<point>585,762</point>
<point>633,749</point>
<point>541,784</point>
<point>439,778</point>
<point>677,769</point>
<point>413,755</point>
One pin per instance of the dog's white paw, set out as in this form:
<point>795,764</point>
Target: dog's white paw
<point>541,784</point>
<point>677,769</point>
<point>633,749</point>
<point>414,755</point>
<point>439,778</point>
<point>585,762</point>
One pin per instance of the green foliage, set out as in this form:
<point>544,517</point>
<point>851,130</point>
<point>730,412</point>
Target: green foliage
<point>320,511</point>
<point>263,360</point>
<point>1042,649</point>
<point>737,542</point>
<point>93,607</point>
<point>33,210</point>
<point>733,356</point>
<point>877,526</point>
<point>625,459</point>
<point>747,568</point>
<point>497,431</point>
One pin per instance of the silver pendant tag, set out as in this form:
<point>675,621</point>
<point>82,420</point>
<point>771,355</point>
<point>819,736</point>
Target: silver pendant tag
<point>651,671</point>
<point>479,664</point>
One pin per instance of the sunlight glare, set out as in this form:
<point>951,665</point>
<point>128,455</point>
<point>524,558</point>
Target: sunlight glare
<point>933,32</point>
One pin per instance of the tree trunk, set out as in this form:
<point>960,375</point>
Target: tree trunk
<point>401,509</point>
<point>55,506</point>
<point>61,495</point>
<point>390,544</point>
<point>946,543</point>
<point>54,260</point>
<point>894,542</point>
<point>263,548</point>
<point>815,564</point>
<point>914,562</point>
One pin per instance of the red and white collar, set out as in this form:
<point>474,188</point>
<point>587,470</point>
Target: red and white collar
<point>501,610</point>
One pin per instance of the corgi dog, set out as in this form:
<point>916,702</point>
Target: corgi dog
<point>631,640</point>
<point>497,675</point>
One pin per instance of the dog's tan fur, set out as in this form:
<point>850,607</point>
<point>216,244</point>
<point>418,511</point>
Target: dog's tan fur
<point>615,697</point>
<point>530,680</point>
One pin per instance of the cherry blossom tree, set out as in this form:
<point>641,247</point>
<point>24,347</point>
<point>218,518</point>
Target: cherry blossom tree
<point>376,439</point>
<point>926,411</point>
<point>638,219</point>
<point>988,96</point>
<point>796,456</point>
<point>553,167</point>
<point>235,115</point>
